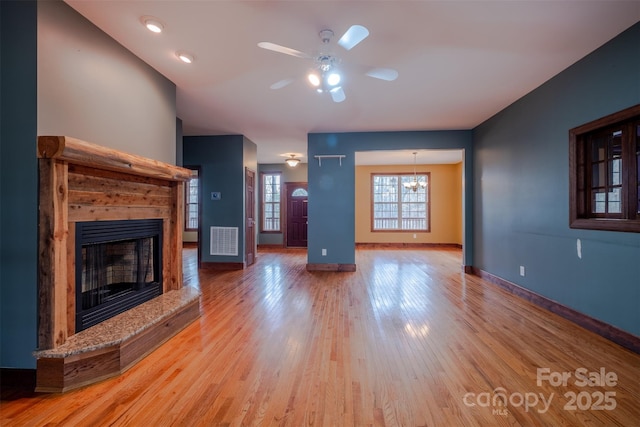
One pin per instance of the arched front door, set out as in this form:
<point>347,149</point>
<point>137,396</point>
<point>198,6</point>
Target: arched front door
<point>296,214</point>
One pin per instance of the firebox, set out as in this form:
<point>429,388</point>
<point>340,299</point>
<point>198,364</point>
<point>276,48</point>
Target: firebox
<point>118,266</point>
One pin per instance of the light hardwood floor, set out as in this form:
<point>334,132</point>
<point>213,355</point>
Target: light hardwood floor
<point>406,340</point>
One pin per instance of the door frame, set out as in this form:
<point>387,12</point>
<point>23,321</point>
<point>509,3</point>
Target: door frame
<point>288,186</point>
<point>250,237</point>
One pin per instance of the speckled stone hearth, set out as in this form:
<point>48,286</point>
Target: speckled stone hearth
<point>111,347</point>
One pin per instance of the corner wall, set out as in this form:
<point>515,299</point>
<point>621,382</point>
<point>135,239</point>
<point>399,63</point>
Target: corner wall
<point>114,99</point>
<point>521,188</point>
<point>91,88</point>
<point>18,184</point>
<point>222,160</point>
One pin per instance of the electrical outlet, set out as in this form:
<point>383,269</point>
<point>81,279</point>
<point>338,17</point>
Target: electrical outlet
<point>324,252</point>
<point>522,270</point>
<point>415,235</point>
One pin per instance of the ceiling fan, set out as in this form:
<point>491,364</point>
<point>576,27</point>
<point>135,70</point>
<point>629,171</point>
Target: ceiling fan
<point>326,75</point>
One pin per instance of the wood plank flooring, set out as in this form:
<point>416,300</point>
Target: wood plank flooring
<point>406,340</point>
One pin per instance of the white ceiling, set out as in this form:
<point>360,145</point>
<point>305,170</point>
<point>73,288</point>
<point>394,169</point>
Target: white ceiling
<point>459,62</point>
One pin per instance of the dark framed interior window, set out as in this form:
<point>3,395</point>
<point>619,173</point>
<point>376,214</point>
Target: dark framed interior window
<point>398,206</point>
<point>604,173</point>
<point>271,201</point>
<point>191,202</point>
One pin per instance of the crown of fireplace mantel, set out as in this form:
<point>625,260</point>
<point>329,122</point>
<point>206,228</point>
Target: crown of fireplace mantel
<point>79,182</point>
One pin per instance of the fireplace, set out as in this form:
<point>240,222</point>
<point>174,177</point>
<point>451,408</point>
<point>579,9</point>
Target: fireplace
<point>118,266</point>
<point>109,238</point>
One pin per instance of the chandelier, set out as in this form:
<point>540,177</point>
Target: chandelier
<point>415,184</point>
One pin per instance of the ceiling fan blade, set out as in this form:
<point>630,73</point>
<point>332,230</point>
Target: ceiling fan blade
<point>338,94</point>
<point>281,83</point>
<point>282,49</point>
<point>354,35</point>
<point>388,74</point>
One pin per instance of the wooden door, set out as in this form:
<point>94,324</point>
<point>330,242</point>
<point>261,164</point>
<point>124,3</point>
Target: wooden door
<point>250,209</point>
<point>297,214</point>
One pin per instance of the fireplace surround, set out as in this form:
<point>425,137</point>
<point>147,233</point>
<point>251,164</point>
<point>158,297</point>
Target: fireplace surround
<point>86,187</point>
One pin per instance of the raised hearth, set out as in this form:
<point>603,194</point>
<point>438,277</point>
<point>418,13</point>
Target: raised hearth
<point>113,346</point>
<point>83,184</point>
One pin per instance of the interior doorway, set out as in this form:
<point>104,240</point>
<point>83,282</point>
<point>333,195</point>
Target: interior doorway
<point>296,201</point>
<point>445,197</point>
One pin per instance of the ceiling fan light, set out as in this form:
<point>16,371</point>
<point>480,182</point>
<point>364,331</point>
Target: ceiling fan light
<point>314,79</point>
<point>333,79</point>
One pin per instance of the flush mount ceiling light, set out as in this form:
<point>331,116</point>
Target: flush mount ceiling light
<point>292,161</point>
<point>185,57</point>
<point>153,24</point>
<point>415,184</point>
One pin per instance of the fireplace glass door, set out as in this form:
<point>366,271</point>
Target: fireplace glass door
<point>118,267</point>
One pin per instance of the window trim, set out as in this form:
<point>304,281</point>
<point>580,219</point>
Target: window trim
<point>198,202</point>
<point>427,202</point>
<point>262,202</point>
<point>577,216</point>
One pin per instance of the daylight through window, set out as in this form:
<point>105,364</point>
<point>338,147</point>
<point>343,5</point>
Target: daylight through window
<point>271,202</point>
<point>191,202</point>
<point>397,208</point>
<point>605,173</point>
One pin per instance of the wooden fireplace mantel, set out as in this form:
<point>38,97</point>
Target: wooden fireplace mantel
<point>76,151</point>
<point>81,181</point>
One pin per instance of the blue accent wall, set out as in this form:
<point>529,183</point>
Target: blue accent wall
<point>331,186</point>
<point>521,190</point>
<point>18,184</point>
<point>222,160</point>
<point>33,36</point>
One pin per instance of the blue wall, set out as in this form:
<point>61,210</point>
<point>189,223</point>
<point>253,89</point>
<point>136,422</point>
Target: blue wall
<point>18,184</point>
<point>331,186</point>
<point>26,101</point>
<point>521,190</point>
<point>222,160</point>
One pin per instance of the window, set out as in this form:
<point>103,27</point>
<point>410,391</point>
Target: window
<point>604,164</point>
<point>191,202</point>
<point>397,208</point>
<point>271,202</point>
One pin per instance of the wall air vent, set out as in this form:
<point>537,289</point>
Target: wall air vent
<point>224,241</point>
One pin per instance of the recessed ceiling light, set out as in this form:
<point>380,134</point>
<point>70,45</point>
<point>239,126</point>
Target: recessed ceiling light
<point>185,57</point>
<point>153,24</point>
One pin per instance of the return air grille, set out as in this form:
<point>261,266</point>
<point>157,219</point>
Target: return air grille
<point>224,241</point>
